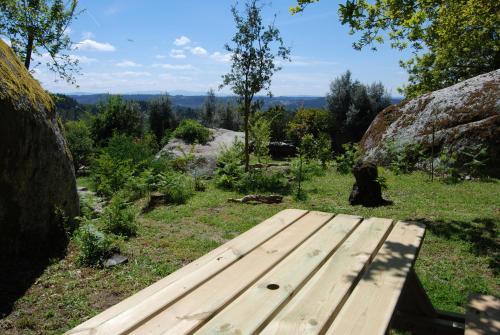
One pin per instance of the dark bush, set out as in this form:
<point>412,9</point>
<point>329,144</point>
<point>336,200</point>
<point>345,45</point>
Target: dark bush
<point>192,131</point>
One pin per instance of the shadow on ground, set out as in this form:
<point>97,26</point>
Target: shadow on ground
<point>17,276</point>
<point>482,234</point>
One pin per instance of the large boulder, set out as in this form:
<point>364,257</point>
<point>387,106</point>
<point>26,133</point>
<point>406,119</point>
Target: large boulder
<point>37,181</point>
<point>464,115</point>
<point>205,156</point>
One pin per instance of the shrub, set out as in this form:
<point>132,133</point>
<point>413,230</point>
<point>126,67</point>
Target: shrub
<point>230,168</point>
<point>403,158</point>
<point>139,151</point>
<point>110,175</point>
<point>346,161</point>
<point>263,180</point>
<point>94,245</point>
<point>308,121</point>
<point>119,217</point>
<point>80,142</point>
<point>260,134</point>
<point>192,131</point>
<point>176,187</point>
<point>305,170</point>
<point>117,116</point>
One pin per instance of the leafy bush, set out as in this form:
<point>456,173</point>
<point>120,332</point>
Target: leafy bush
<point>139,151</point>
<point>230,168</point>
<point>403,158</point>
<point>192,131</point>
<point>308,121</point>
<point>305,170</point>
<point>117,116</point>
<point>119,217</point>
<point>176,187</point>
<point>263,180</point>
<point>474,159</point>
<point>446,166</point>
<point>260,134</point>
<point>80,142</point>
<point>94,245</point>
<point>346,161</point>
<point>316,148</point>
<point>110,175</point>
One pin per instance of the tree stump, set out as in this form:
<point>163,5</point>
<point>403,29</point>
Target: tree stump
<point>366,191</point>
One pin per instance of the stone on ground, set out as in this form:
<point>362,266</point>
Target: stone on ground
<point>205,156</point>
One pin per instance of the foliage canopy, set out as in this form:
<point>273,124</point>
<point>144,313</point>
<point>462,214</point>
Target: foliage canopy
<point>451,40</point>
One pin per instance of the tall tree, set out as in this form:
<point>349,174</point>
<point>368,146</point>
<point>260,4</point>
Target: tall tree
<point>352,106</point>
<point>117,116</point>
<point>209,109</point>
<point>254,50</point>
<point>452,40</point>
<point>39,27</point>
<point>161,117</point>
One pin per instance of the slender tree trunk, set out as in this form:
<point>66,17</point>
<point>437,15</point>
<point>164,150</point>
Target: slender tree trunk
<point>29,51</point>
<point>247,149</point>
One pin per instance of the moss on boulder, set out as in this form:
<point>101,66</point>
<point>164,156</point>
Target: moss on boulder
<point>37,181</point>
<point>464,115</point>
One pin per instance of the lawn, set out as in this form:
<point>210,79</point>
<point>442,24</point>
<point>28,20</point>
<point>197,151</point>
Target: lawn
<point>460,254</point>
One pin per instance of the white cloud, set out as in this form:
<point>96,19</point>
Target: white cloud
<point>178,54</point>
<point>91,45</point>
<point>128,63</point>
<point>220,57</point>
<point>87,35</point>
<point>183,40</point>
<point>199,51</point>
<point>83,59</point>
<point>175,67</point>
<point>160,56</point>
<point>132,74</point>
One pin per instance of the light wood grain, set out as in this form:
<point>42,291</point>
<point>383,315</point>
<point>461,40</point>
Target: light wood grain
<point>483,315</point>
<point>161,294</point>
<point>191,311</point>
<point>369,308</point>
<point>248,312</point>
<point>311,309</point>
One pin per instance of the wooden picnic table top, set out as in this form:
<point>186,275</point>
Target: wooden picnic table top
<point>298,272</point>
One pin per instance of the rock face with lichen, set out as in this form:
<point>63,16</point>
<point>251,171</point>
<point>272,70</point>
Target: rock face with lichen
<point>461,116</point>
<point>37,181</point>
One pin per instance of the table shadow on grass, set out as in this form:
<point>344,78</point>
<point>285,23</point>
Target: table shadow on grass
<point>482,234</point>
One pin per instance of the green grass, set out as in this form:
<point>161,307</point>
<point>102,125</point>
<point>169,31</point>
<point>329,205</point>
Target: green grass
<point>459,255</point>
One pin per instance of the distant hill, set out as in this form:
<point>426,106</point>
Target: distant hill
<point>196,101</point>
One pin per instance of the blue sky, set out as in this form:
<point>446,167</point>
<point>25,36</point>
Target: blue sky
<point>127,46</point>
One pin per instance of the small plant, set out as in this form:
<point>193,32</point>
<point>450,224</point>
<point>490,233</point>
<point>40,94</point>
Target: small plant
<point>230,169</point>
<point>346,161</point>
<point>119,217</point>
<point>200,185</point>
<point>260,132</point>
<point>110,175</point>
<point>475,158</point>
<point>263,180</point>
<point>94,245</point>
<point>404,158</point>
<point>192,131</point>
<point>176,187</point>
<point>446,166</point>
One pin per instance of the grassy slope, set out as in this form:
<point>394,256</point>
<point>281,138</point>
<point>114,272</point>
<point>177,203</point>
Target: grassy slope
<point>458,256</point>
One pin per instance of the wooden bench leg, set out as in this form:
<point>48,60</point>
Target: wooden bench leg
<point>415,313</point>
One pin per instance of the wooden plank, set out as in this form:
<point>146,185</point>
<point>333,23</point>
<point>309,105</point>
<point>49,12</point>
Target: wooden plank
<point>318,301</point>
<point>191,311</point>
<point>369,308</point>
<point>169,289</point>
<point>482,315</point>
<point>248,312</point>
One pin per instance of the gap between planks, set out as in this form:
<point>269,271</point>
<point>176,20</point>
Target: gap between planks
<point>172,286</point>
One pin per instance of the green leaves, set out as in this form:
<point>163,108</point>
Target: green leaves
<point>37,27</point>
